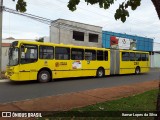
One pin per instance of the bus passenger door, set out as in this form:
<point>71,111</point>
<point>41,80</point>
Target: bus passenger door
<point>114,62</point>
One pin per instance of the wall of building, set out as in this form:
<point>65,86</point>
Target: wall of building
<point>124,41</point>
<point>155,58</point>
<point>4,57</point>
<point>61,31</point>
<point>46,39</point>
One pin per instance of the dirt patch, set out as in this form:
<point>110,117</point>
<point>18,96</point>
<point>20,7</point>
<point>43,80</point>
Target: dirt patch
<point>79,99</point>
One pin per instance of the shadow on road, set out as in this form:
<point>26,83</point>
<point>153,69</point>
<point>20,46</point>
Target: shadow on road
<point>70,79</point>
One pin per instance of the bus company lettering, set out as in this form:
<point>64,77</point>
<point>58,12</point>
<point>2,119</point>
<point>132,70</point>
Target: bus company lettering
<point>57,64</point>
<point>63,63</point>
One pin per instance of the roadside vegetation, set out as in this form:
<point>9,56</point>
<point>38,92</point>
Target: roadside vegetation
<point>112,110</point>
<point>3,75</point>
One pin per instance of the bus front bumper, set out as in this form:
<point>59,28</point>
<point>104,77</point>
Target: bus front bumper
<point>12,76</point>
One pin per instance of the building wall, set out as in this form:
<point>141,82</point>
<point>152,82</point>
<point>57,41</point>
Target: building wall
<point>46,39</point>
<point>61,31</point>
<point>4,57</point>
<point>141,43</point>
<point>155,58</point>
<point>156,46</point>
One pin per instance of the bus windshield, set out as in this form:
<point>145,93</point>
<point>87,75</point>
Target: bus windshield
<point>13,56</point>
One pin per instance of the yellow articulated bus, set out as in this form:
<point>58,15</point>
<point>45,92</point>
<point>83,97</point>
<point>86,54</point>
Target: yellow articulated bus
<point>46,61</point>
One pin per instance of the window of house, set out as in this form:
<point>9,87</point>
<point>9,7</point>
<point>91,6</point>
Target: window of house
<point>93,37</point>
<point>78,36</point>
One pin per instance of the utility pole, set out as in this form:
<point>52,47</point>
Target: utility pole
<point>1,14</point>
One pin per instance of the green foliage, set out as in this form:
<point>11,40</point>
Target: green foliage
<point>21,5</point>
<point>121,12</point>
<point>40,40</point>
<point>72,4</point>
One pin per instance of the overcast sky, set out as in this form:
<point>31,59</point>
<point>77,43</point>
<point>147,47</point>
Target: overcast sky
<point>142,22</point>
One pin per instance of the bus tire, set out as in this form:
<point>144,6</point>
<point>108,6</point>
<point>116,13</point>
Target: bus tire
<point>100,72</point>
<point>44,76</point>
<point>137,70</point>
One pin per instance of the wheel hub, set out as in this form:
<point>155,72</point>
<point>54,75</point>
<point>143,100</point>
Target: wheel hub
<point>44,76</point>
<point>100,73</point>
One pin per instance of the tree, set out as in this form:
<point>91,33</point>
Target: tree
<point>121,12</point>
<point>21,6</point>
<point>156,3</point>
<point>40,40</point>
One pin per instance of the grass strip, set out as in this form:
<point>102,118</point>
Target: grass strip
<point>112,110</point>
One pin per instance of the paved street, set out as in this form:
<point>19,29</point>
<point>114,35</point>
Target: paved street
<point>11,91</point>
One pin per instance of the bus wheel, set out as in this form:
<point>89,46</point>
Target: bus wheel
<point>100,72</point>
<point>137,70</point>
<point>44,76</point>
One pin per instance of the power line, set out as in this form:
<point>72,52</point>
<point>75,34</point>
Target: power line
<point>34,17</point>
<point>45,20</point>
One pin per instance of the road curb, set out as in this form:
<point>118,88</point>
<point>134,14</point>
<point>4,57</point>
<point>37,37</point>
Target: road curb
<point>4,80</point>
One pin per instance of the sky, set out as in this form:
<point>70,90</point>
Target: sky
<point>142,22</point>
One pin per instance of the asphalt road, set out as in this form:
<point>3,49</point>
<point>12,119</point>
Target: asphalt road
<point>16,91</point>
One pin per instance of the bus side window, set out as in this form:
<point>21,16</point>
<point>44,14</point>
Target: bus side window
<point>138,57</point>
<point>90,54</point>
<point>132,56</point>
<point>125,56</point>
<point>77,54</point>
<point>106,55</point>
<point>46,52</point>
<point>31,55</point>
<point>62,53</point>
<point>143,57</point>
<point>147,58</point>
<point>100,55</point>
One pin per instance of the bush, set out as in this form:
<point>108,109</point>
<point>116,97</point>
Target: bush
<point>3,75</point>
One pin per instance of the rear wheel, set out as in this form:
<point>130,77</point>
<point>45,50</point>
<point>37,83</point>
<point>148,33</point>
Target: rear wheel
<point>44,76</point>
<point>137,70</point>
<point>100,72</point>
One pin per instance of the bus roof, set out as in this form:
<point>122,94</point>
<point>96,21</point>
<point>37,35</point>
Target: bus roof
<point>74,46</point>
<point>60,45</point>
